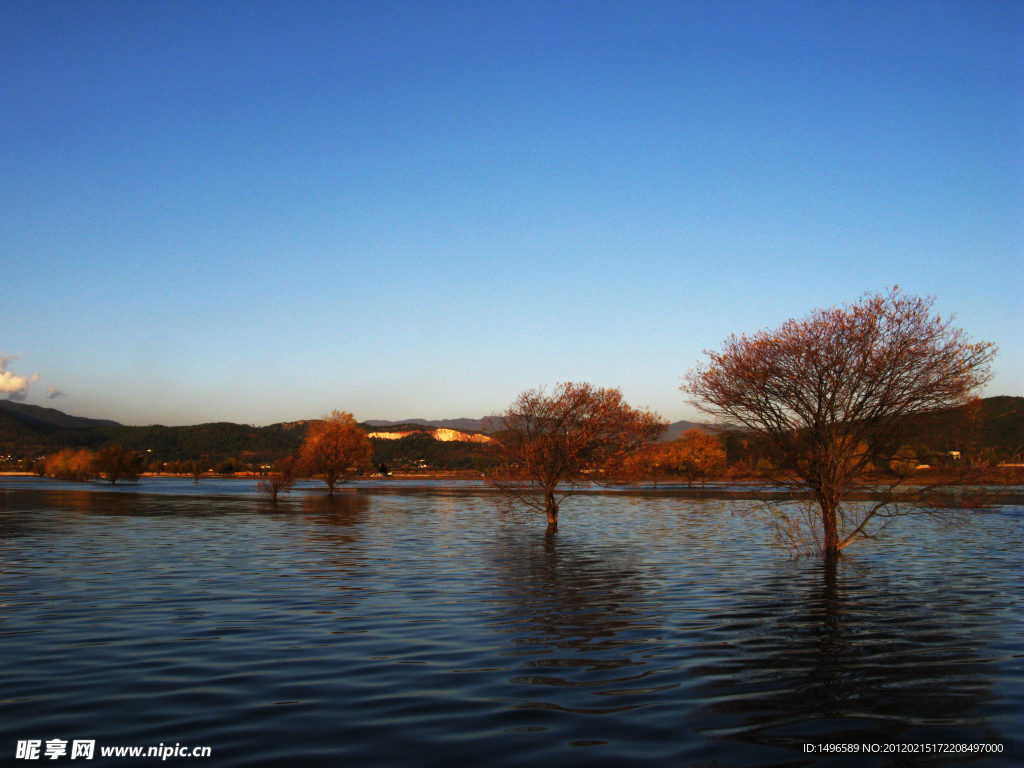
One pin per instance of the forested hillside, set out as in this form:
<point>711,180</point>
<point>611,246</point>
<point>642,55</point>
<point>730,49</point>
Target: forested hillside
<point>215,442</point>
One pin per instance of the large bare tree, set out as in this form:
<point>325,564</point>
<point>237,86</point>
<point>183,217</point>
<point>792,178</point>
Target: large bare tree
<point>832,395</point>
<point>550,443</point>
<point>335,449</point>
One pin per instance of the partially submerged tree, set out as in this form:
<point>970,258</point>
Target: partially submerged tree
<point>832,395</point>
<point>116,462</point>
<point>279,479</point>
<point>335,450</point>
<point>551,443</point>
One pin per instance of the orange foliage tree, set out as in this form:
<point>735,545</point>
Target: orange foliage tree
<point>649,463</point>
<point>71,464</point>
<point>697,455</point>
<point>833,393</point>
<point>552,442</point>
<point>335,450</point>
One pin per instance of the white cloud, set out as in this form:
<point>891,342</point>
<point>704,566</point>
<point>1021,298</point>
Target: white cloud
<point>53,393</point>
<point>15,386</point>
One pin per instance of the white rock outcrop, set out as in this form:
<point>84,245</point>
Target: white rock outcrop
<point>444,435</point>
<point>388,435</point>
<point>451,435</point>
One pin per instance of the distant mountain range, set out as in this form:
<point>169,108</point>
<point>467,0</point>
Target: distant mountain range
<point>37,416</point>
<point>473,425</point>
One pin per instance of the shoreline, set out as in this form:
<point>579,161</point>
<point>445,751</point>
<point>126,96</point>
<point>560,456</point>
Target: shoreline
<point>1006,474</point>
<point>968,497</point>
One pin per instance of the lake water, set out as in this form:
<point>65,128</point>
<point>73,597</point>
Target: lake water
<point>424,628</point>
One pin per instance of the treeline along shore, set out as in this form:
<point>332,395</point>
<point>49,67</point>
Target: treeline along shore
<point>28,434</point>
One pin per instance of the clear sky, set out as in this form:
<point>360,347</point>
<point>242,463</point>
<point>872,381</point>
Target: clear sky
<point>256,212</point>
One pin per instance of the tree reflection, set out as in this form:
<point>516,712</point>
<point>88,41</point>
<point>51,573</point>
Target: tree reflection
<point>337,520</point>
<point>838,662</point>
<point>580,622</point>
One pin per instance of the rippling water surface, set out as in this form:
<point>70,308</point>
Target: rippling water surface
<point>427,629</point>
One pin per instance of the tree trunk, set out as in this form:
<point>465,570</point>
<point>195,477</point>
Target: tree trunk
<point>551,507</point>
<point>829,529</point>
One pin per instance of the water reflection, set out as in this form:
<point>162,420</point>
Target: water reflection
<point>28,502</point>
<point>402,629</point>
<point>847,657</point>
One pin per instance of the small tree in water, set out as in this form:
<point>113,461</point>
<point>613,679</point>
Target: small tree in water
<point>115,463</point>
<point>551,443</point>
<point>279,480</point>
<point>832,395</point>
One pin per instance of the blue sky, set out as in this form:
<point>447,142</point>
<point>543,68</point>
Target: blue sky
<point>257,212</point>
